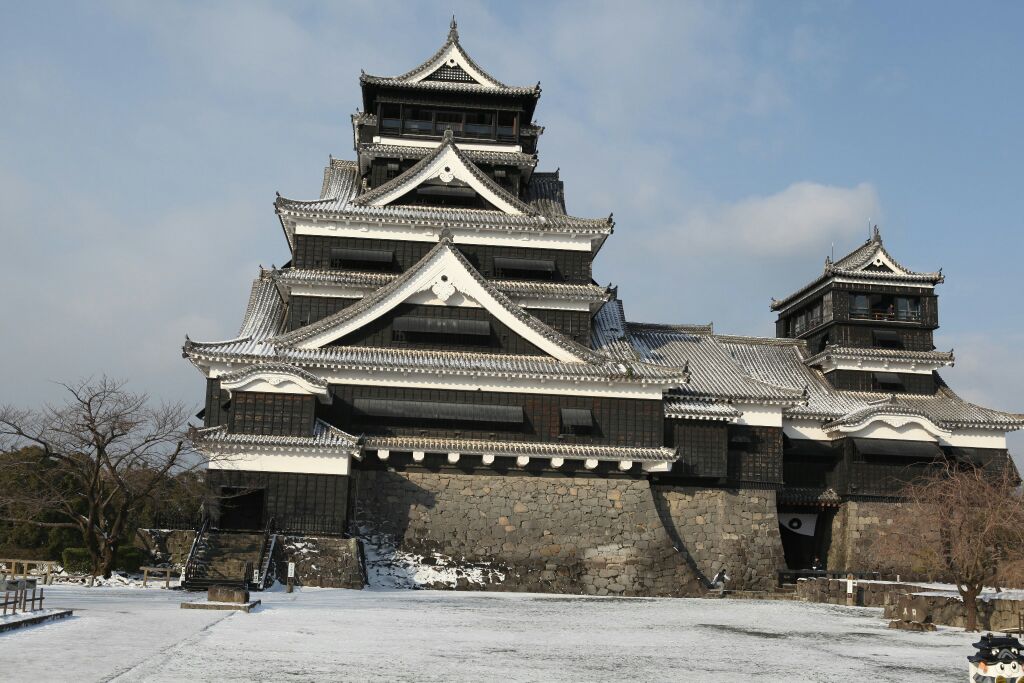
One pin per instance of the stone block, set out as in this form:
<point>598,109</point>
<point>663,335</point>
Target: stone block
<point>227,594</point>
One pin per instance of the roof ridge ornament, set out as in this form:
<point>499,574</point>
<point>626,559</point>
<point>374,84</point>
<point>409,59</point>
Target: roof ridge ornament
<point>876,236</point>
<point>453,30</point>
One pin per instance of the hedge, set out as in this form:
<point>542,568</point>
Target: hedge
<point>77,560</point>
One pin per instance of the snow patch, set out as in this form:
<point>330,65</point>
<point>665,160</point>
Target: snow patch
<point>389,567</point>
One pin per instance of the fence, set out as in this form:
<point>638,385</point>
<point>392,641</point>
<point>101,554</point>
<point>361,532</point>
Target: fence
<point>17,598</point>
<point>11,567</point>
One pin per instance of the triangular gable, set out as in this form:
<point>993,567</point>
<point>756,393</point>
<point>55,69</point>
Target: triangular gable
<point>879,260</point>
<point>873,258</point>
<point>446,165</point>
<point>451,56</point>
<point>442,277</point>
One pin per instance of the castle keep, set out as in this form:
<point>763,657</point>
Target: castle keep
<point>436,365</point>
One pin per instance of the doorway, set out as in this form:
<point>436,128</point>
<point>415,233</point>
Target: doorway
<point>806,534</point>
<point>242,508</point>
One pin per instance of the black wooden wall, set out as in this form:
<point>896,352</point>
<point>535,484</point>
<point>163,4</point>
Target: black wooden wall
<point>313,503</point>
<point>314,251</point>
<point>255,412</point>
<point>703,447</point>
<point>618,421</point>
<point>864,380</point>
<point>379,332</point>
<point>738,455</point>
<point>305,310</point>
<point>218,404</point>
<point>755,455</point>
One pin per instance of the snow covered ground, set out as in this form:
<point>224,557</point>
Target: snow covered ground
<point>332,634</point>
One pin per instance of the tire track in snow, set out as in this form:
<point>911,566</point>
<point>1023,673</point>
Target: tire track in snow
<point>165,653</point>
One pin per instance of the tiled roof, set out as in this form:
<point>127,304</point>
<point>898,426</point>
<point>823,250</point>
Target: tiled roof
<point>713,373</point>
<point>546,192</point>
<point>809,496</point>
<point>444,245</point>
<point>894,355</point>
<point>258,343</point>
<point>367,280</point>
<point>412,78</point>
<point>375,149</point>
<point>781,361</point>
<point>325,437</point>
<point>284,368</point>
<point>569,451</point>
<point>341,186</point>
<point>853,266</point>
<point>682,408</point>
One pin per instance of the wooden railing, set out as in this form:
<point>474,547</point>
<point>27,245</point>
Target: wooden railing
<point>11,567</point>
<point>17,598</point>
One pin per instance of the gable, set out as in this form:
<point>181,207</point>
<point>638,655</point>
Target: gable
<point>881,262</point>
<point>451,72</point>
<point>447,170</point>
<point>457,328</point>
<point>451,63</point>
<point>442,278</point>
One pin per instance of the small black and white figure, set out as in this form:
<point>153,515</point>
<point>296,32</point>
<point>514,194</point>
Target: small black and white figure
<point>999,658</point>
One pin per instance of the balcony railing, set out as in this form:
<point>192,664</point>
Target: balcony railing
<point>898,316</point>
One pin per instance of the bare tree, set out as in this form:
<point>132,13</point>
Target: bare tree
<point>93,462</point>
<point>964,524</point>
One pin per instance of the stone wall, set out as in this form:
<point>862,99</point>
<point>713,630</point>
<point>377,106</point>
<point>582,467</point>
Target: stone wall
<point>321,561</point>
<point>591,535</point>
<point>855,527</point>
<point>165,546</point>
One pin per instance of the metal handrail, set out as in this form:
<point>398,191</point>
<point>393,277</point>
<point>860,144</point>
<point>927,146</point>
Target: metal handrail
<point>267,530</point>
<point>189,562</point>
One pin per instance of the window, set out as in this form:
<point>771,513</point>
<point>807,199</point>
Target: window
<point>361,259</point>
<point>506,125</point>
<point>414,329</point>
<point>391,118</point>
<point>859,305</point>
<point>888,382</point>
<point>885,307</point>
<point>524,268</point>
<point>887,339</point>
<point>577,422</point>
<point>479,124</point>
<point>436,413</point>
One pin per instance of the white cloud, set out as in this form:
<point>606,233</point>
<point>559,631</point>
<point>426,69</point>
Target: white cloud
<point>805,214</point>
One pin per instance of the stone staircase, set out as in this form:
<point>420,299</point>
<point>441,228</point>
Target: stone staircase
<point>225,558</point>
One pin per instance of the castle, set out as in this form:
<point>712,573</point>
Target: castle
<point>436,364</point>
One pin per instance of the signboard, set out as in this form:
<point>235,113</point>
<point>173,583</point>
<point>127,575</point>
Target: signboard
<point>255,575</point>
<point>291,570</point>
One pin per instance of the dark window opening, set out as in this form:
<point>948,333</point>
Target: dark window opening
<point>524,268</point>
<point>437,193</point>
<point>577,422</point>
<point>391,118</point>
<point>887,339</point>
<point>437,414</point>
<point>807,318</point>
<point>885,307</point>
<point>507,125</point>
<point>888,382</point>
<point>361,259</point>
<point>745,443</point>
<point>415,329</point>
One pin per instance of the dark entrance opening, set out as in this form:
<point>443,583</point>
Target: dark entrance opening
<point>241,508</point>
<point>806,533</point>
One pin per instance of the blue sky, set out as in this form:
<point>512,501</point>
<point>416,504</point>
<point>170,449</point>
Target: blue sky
<point>141,145</point>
